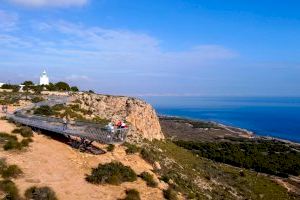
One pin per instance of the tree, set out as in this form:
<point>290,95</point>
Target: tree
<point>38,89</point>
<point>27,83</point>
<point>62,86</point>
<point>51,87</point>
<point>74,89</point>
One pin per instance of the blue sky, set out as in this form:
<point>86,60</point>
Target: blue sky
<point>143,47</point>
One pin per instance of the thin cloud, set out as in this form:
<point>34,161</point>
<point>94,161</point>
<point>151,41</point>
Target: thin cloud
<point>49,3</point>
<point>76,77</point>
<point>8,21</point>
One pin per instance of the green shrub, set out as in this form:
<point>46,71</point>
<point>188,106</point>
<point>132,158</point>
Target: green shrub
<point>44,110</point>
<point>12,171</point>
<point>149,155</point>
<point>4,137</point>
<point>9,189</point>
<point>40,193</point>
<point>149,179</point>
<point>131,148</point>
<point>132,195</point>
<point>12,144</point>
<point>24,131</point>
<point>37,99</point>
<point>58,107</point>
<point>110,147</point>
<point>99,120</point>
<point>170,194</point>
<point>113,173</point>
<point>25,142</point>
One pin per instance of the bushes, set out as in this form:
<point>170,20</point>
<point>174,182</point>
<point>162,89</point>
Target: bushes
<point>40,193</point>
<point>9,189</point>
<point>44,110</point>
<point>132,195</point>
<point>37,99</point>
<point>149,179</point>
<point>259,155</point>
<point>9,171</point>
<point>113,173</point>
<point>149,155</point>
<point>12,171</point>
<point>110,147</point>
<point>11,142</point>
<point>170,194</point>
<point>24,131</point>
<point>131,148</point>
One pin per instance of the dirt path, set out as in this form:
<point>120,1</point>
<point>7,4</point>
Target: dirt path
<point>48,162</point>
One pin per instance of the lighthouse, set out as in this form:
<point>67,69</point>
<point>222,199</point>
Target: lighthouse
<point>44,79</point>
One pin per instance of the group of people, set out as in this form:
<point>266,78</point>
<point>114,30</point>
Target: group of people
<point>118,125</point>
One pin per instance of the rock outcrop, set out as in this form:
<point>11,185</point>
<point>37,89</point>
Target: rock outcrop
<point>142,118</point>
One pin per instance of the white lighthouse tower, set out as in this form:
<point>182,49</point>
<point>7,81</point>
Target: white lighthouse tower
<point>44,79</point>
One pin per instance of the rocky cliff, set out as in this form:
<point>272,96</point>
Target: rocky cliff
<point>141,117</point>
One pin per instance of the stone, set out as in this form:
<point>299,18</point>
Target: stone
<point>140,116</point>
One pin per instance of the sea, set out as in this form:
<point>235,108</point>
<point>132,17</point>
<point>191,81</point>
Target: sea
<point>265,116</point>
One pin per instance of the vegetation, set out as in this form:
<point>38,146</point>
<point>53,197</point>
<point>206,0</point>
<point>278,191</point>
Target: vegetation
<point>11,142</point>
<point>74,89</point>
<point>132,195</point>
<point>149,179</point>
<point>149,155</point>
<point>113,173</point>
<point>131,148</point>
<point>9,189</point>
<point>27,83</point>
<point>259,155</point>
<point>40,193</point>
<point>195,123</point>
<point>62,86</point>
<point>37,99</point>
<point>24,131</point>
<point>9,171</point>
<point>170,194</point>
<point>14,88</point>
<point>110,147</point>
<point>192,176</point>
<point>12,171</point>
<point>44,110</point>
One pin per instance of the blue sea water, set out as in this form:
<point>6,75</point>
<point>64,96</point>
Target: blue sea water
<point>272,116</point>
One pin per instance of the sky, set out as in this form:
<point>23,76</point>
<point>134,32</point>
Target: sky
<point>155,47</point>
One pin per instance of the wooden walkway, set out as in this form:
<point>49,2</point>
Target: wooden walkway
<point>87,132</point>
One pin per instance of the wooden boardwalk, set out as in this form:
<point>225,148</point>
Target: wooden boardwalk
<point>87,132</point>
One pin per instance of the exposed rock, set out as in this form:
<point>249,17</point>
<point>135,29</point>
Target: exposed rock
<point>142,118</point>
<point>157,165</point>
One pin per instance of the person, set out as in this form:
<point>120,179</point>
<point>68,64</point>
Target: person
<point>110,127</point>
<point>123,125</point>
<point>119,124</point>
<point>65,123</point>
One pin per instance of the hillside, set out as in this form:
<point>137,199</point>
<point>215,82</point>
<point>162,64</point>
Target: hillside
<point>175,172</point>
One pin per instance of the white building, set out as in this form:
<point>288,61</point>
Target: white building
<point>1,84</point>
<point>44,79</point>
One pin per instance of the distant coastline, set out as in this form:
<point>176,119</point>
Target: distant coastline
<point>243,133</point>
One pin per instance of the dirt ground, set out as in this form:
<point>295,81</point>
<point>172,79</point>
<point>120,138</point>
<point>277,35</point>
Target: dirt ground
<point>48,162</point>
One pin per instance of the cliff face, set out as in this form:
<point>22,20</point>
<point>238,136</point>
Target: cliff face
<point>141,117</point>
